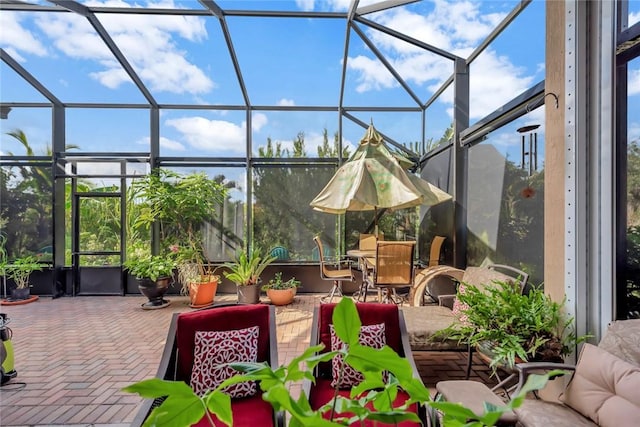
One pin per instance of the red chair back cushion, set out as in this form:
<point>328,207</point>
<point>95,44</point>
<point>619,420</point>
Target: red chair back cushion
<point>219,319</point>
<point>370,314</point>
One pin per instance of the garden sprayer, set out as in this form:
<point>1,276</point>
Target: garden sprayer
<point>7,370</point>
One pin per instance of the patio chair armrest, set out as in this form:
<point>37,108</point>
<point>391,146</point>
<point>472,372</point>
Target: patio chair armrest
<point>446,300</point>
<point>528,368</point>
<point>338,262</point>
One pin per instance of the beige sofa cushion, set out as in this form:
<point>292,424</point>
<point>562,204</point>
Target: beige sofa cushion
<point>481,277</point>
<point>540,413</point>
<point>623,340</point>
<point>605,389</point>
<point>423,322</point>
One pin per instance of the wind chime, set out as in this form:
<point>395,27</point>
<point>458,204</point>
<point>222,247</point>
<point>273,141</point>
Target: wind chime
<point>529,146</point>
<point>529,158</point>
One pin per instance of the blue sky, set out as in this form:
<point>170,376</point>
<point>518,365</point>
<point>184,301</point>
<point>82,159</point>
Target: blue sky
<point>284,61</point>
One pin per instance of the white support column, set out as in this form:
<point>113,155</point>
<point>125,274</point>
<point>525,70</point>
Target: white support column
<point>575,163</point>
<point>602,170</point>
<point>589,164</point>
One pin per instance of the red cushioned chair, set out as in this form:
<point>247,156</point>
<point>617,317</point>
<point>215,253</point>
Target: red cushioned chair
<point>177,359</point>
<point>370,314</point>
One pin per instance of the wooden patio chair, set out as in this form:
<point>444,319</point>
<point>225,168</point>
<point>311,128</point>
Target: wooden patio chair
<point>367,242</point>
<point>337,272</point>
<point>393,270</point>
<point>436,250</point>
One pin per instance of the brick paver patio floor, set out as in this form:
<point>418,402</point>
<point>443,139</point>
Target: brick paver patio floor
<point>73,355</point>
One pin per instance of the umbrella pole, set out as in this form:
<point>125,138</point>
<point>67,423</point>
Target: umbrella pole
<point>375,221</point>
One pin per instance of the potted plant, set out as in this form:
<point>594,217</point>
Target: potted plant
<point>181,204</point>
<point>154,274</point>
<point>509,326</point>
<point>281,292</point>
<point>20,270</point>
<point>245,272</point>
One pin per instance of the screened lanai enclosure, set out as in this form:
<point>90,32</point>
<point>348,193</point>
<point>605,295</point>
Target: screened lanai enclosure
<point>268,99</point>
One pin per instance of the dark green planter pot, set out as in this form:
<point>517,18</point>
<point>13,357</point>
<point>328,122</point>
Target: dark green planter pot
<point>154,291</point>
<point>20,294</point>
<point>249,294</point>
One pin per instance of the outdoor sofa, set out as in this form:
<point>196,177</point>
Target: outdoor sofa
<point>440,283</point>
<point>603,390</point>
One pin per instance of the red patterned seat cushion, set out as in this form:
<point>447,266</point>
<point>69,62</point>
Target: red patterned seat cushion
<point>214,350</point>
<point>460,307</point>
<point>370,335</point>
<point>248,412</point>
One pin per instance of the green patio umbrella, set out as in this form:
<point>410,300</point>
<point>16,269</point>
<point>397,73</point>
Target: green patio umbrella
<point>373,178</point>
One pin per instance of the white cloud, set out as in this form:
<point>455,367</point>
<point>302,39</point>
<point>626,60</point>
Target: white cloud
<point>494,81</point>
<point>633,18</point>
<point>633,83</point>
<point>463,21</point>
<point>420,27</point>
<point>171,144</point>
<point>167,143</point>
<point>454,26</point>
<point>372,74</point>
<point>211,135</point>
<point>171,72</point>
<point>332,5</point>
<point>305,5</point>
<point>286,102</point>
<point>73,35</point>
<point>258,120</point>
<point>148,42</point>
<point>633,134</point>
<point>111,78</point>
<point>14,54</point>
<point>14,38</point>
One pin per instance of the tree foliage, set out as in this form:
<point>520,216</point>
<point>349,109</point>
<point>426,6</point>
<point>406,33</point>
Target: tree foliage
<point>281,213</point>
<point>26,209</point>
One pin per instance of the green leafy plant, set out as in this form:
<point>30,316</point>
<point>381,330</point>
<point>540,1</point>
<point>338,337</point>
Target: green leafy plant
<point>528,326</point>
<point>182,407</point>
<point>150,266</point>
<point>180,204</point>
<point>20,270</point>
<point>278,283</point>
<point>246,269</point>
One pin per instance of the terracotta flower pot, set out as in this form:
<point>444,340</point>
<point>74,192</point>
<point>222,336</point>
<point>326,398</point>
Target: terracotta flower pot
<point>202,294</point>
<point>281,296</point>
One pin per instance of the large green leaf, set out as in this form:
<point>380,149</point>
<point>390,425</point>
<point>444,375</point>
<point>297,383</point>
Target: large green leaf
<point>346,321</point>
<point>364,358</point>
<point>155,387</point>
<point>220,404</point>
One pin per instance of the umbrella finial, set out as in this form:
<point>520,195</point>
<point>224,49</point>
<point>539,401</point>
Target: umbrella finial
<point>371,136</point>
